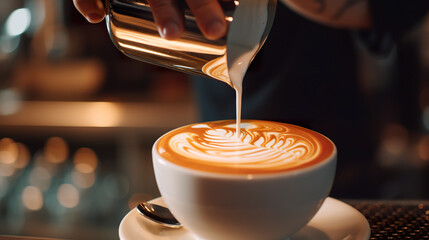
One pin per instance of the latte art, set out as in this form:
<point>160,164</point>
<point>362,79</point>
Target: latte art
<point>261,147</point>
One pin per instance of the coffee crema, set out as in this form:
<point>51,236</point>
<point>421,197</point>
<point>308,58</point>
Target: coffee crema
<point>263,147</point>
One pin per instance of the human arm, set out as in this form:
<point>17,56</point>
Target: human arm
<point>378,24</point>
<point>211,20</point>
<point>354,14</point>
<point>392,17</point>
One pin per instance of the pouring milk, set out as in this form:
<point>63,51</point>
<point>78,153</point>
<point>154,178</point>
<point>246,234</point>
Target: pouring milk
<point>244,38</point>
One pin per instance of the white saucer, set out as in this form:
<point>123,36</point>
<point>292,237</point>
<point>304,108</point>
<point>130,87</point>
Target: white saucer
<point>335,220</point>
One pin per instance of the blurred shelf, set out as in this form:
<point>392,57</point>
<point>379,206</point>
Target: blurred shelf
<point>99,117</point>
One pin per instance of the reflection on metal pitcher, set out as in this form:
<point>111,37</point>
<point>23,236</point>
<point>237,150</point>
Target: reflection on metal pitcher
<point>133,30</point>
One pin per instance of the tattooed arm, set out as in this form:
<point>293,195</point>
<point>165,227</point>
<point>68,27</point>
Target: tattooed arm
<point>336,13</point>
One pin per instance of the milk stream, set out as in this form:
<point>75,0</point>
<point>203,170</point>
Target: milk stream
<point>244,38</point>
<point>237,73</point>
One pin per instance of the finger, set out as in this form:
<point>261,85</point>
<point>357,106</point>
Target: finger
<point>92,10</point>
<point>168,17</point>
<point>209,16</point>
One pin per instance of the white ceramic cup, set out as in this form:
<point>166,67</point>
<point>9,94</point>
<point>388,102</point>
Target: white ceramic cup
<point>218,206</point>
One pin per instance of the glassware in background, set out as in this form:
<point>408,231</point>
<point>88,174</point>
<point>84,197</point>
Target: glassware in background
<point>57,190</point>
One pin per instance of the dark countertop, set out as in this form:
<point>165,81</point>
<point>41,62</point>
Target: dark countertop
<point>395,219</point>
<point>389,219</point>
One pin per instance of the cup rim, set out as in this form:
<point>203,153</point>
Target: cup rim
<point>243,176</point>
<point>264,175</point>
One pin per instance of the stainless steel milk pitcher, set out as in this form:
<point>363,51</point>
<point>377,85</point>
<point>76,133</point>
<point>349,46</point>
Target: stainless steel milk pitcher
<point>132,29</point>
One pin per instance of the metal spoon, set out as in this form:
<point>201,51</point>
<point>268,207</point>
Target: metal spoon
<point>158,214</point>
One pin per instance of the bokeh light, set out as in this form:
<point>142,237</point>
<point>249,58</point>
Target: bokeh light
<point>13,156</point>
<point>56,150</point>
<point>394,139</point>
<point>18,22</point>
<point>40,177</point>
<point>85,160</point>
<point>423,148</point>
<point>8,156</point>
<point>32,198</point>
<point>6,170</point>
<point>10,99</point>
<point>68,196</point>
<point>8,151</point>
<point>83,180</point>
<point>8,45</point>
<point>40,160</point>
<point>23,156</point>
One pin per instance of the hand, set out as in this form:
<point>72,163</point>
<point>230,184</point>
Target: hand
<point>92,10</point>
<point>208,13</point>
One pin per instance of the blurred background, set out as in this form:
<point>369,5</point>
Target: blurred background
<point>78,119</point>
